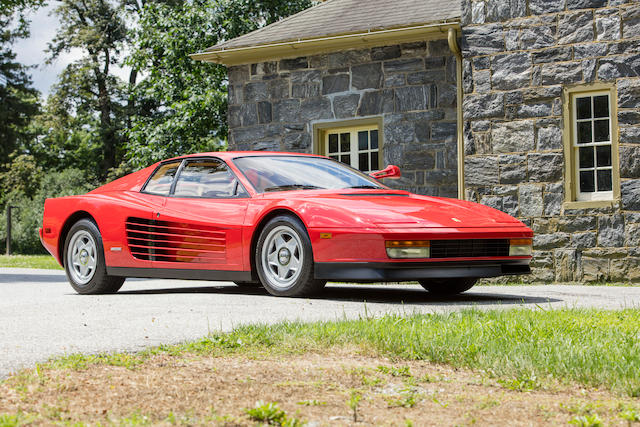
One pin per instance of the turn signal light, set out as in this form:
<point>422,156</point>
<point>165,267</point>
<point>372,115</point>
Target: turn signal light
<point>520,247</point>
<point>408,248</point>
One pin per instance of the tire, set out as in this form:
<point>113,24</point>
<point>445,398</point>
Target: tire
<point>444,287</point>
<point>84,261</point>
<point>284,259</point>
<point>248,284</point>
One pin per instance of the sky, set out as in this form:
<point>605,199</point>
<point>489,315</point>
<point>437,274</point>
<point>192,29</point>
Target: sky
<point>31,51</point>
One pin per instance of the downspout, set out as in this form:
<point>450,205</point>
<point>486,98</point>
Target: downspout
<point>452,38</point>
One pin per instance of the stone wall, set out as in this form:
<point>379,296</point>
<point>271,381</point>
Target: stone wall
<point>519,54</point>
<point>272,106</point>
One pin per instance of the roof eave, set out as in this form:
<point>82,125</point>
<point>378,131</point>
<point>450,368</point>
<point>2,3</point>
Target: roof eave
<point>297,48</point>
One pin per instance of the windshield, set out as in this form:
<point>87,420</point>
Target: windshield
<point>281,173</point>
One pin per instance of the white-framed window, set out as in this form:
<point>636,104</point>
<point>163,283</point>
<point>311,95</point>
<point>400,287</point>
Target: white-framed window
<point>592,145</point>
<point>357,146</point>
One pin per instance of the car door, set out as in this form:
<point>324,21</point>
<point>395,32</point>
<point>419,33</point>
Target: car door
<point>142,232</point>
<point>203,216</point>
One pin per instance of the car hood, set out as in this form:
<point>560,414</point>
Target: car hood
<point>398,209</point>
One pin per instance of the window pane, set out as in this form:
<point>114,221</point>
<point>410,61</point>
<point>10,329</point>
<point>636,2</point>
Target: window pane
<point>586,157</point>
<point>160,182</point>
<point>583,107</point>
<point>363,140</point>
<point>335,158</point>
<point>601,130</point>
<point>333,143</point>
<point>604,155</point>
<point>205,178</point>
<point>375,165</point>
<point>345,158</point>
<point>584,132</point>
<point>601,106</point>
<point>604,180</point>
<point>345,142</point>
<point>587,184</point>
<point>374,139</point>
<point>363,159</point>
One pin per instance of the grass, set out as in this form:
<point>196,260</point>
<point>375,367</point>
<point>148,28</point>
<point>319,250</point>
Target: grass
<point>521,348</point>
<point>29,261</point>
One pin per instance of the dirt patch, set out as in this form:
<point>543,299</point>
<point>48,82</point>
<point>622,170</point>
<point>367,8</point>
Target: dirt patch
<point>321,389</point>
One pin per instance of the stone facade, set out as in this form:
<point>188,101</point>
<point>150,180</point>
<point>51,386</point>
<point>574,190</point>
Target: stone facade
<point>412,87</point>
<point>518,57</point>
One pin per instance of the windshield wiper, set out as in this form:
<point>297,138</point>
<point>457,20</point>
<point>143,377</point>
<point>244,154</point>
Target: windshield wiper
<point>292,187</point>
<point>364,186</point>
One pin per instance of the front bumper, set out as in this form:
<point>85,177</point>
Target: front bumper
<point>409,271</point>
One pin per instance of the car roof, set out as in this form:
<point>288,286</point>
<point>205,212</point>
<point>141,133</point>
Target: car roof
<point>228,155</point>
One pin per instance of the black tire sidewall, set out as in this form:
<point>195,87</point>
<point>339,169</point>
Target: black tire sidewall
<point>100,282</point>
<point>305,285</point>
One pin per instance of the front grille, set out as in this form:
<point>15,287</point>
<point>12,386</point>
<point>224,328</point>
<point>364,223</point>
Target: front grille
<point>169,241</point>
<point>469,248</point>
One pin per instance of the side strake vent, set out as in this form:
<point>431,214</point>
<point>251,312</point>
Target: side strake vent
<point>154,240</point>
<point>469,248</point>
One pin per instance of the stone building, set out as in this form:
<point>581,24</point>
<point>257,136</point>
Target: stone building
<point>528,106</point>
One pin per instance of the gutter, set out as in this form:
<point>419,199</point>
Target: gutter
<point>452,38</point>
<point>297,48</point>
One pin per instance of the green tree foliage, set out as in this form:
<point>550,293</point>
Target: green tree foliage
<point>181,103</point>
<point>18,100</point>
<point>87,88</point>
<point>28,218</point>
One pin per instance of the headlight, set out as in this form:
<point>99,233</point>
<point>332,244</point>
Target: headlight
<point>520,247</point>
<point>408,248</point>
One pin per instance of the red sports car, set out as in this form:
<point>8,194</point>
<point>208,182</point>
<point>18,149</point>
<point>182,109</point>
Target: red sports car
<point>287,222</point>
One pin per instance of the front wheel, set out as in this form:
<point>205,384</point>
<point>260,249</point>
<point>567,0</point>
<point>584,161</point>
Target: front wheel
<point>444,287</point>
<point>284,259</point>
<point>84,261</point>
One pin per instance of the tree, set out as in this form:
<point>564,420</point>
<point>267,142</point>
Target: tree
<point>18,99</point>
<point>87,87</point>
<point>181,104</point>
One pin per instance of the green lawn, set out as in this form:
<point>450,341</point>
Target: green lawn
<point>29,261</point>
<point>522,348</point>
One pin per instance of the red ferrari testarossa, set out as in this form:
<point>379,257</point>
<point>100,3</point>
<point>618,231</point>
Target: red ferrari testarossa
<point>285,221</point>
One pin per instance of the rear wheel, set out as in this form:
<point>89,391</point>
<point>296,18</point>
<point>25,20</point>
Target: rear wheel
<point>84,261</point>
<point>445,287</point>
<point>284,259</point>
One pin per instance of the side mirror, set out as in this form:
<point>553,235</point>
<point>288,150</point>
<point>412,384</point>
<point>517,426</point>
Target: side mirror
<point>390,171</point>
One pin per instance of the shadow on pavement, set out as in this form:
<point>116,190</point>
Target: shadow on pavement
<point>365,293</point>
<point>30,278</point>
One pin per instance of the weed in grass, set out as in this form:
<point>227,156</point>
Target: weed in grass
<point>630,416</point>
<point>406,399</point>
<point>15,420</point>
<point>354,401</point>
<point>488,402</point>
<point>312,402</point>
<point>271,414</point>
<point>587,421</point>
<point>402,371</point>
<point>523,383</point>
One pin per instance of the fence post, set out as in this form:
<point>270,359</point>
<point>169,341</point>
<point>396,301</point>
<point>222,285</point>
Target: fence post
<point>9,208</point>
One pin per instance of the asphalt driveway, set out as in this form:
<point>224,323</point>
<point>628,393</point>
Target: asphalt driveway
<point>41,316</point>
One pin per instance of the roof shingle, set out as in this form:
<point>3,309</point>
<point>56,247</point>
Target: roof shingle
<point>337,17</point>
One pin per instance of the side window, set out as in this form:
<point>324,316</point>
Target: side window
<point>208,178</point>
<point>161,180</point>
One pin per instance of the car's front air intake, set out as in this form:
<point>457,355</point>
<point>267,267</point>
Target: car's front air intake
<point>469,248</point>
<point>155,240</point>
